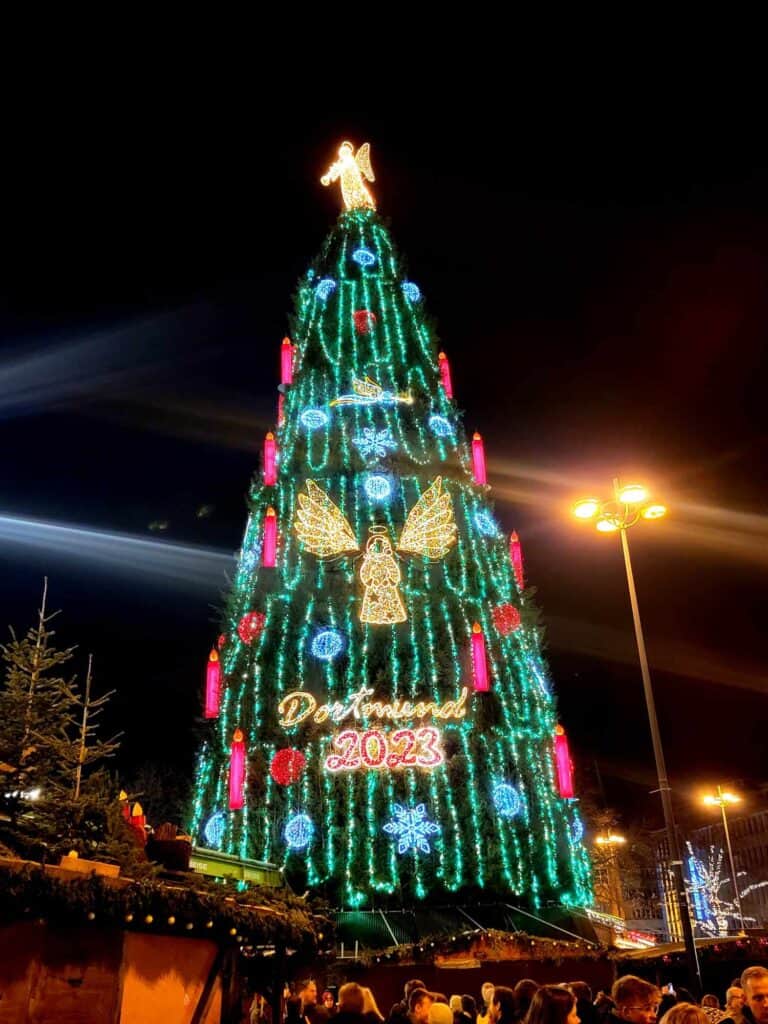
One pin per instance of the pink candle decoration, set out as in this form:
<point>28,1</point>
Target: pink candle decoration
<point>445,373</point>
<point>516,555</point>
<point>270,460</point>
<point>563,764</point>
<point>286,362</point>
<point>478,459</point>
<point>269,548</point>
<point>479,662</point>
<point>212,686</point>
<point>237,771</point>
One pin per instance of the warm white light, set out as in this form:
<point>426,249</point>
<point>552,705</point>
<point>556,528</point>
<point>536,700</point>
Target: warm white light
<point>352,168</point>
<point>610,840</point>
<point>606,526</point>
<point>730,798</point>
<point>633,494</point>
<point>654,511</point>
<point>586,508</point>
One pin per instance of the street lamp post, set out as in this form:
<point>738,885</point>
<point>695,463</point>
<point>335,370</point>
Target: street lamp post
<point>720,800</point>
<point>628,506</point>
<point>614,889</point>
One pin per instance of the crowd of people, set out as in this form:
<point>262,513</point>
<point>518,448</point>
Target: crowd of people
<point>631,1001</point>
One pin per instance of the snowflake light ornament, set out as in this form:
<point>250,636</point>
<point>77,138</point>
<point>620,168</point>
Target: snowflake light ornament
<point>411,827</point>
<point>376,443</point>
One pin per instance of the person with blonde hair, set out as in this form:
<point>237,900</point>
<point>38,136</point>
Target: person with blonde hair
<point>754,981</point>
<point>685,1013</point>
<point>371,1012</point>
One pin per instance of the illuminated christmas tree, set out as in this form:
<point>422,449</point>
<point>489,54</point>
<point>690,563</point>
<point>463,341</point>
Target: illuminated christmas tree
<point>381,719</point>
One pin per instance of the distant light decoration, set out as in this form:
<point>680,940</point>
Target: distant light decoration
<point>212,686</point>
<point>364,257</point>
<point>478,459</point>
<point>364,320</point>
<point>287,766</point>
<point>313,418</point>
<point>479,660</point>
<point>213,830</point>
<point>237,771</point>
<point>411,291</point>
<point>506,619</point>
<point>440,426</point>
<point>577,831</point>
<point>286,362</point>
<point>250,627</point>
<point>269,547</point>
<point>299,831</point>
<point>325,288</point>
<point>328,644</point>
<point>516,557</point>
<point>221,641</point>
<point>506,799</point>
<point>445,373</point>
<point>376,750</point>
<point>374,443</point>
<point>378,487</point>
<point>563,764</point>
<point>411,827</point>
<point>368,392</point>
<point>349,170</point>
<point>486,524</point>
<point>270,460</point>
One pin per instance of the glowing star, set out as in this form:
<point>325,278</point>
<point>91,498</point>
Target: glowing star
<point>374,443</point>
<point>351,168</point>
<point>368,392</point>
<point>299,831</point>
<point>214,829</point>
<point>429,531</point>
<point>411,827</point>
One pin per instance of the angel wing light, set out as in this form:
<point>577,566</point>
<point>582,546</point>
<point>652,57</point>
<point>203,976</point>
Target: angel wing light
<point>430,530</point>
<point>351,168</point>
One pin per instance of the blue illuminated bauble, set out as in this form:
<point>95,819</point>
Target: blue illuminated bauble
<point>328,644</point>
<point>299,831</point>
<point>486,524</point>
<point>213,829</point>
<point>577,830</point>
<point>377,487</point>
<point>325,288</point>
<point>506,799</point>
<point>440,426</point>
<point>314,418</point>
<point>363,257</point>
<point>411,291</point>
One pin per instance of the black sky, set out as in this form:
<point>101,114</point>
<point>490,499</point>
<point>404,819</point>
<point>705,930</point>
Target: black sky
<point>597,270</point>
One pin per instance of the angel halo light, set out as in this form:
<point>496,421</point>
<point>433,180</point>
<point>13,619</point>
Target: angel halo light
<point>429,530</point>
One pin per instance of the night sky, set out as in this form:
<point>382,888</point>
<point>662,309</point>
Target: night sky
<point>598,274</point>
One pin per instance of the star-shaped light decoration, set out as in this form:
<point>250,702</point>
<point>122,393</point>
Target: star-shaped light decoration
<point>411,826</point>
<point>372,442</point>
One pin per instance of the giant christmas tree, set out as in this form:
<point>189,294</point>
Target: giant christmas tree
<point>381,719</point>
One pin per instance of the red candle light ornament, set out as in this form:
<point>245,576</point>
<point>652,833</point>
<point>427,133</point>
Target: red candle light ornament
<point>237,771</point>
<point>479,661</point>
<point>478,459</point>
<point>286,362</point>
<point>212,686</point>
<point>269,547</point>
<point>516,555</point>
<point>445,373</point>
<point>563,764</point>
<point>270,460</point>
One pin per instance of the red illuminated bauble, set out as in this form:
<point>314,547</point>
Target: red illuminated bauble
<point>250,626</point>
<point>506,618</point>
<point>287,766</point>
<point>221,641</point>
<point>364,320</point>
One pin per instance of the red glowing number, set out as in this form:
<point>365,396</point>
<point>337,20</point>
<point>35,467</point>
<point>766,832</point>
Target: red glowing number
<point>405,738</point>
<point>373,749</point>
<point>375,760</point>
<point>430,753</point>
<point>347,743</point>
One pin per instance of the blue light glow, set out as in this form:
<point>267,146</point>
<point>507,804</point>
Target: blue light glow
<point>440,426</point>
<point>328,644</point>
<point>506,799</point>
<point>411,827</point>
<point>378,487</point>
<point>325,288</point>
<point>411,291</point>
<point>577,830</point>
<point>214,830</point>
<point>486,524</point>
<point>363,257</point>
<point>314,418</point>
<point>374,442</point>
<point>299,831</point>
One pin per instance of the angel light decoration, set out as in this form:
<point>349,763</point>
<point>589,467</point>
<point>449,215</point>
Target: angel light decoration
<point>429,530</point>
<point>351,168</point>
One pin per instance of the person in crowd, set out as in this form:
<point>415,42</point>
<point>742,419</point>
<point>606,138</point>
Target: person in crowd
<point>371,1012</point>
<point>503,1006</point>
<point>486,995</point>
<point>328,1002</point>
<point>419,1002</point>
<point>667,1001</point>
<point>455,1004</point>
<point>525,990</point>
<point>604,1007</point>
<point>710,1004</point>
<point>469,1008</point>
<point>440,1013</point>
<point>351,1002</point>
<point>399,1012</point>
<point>684,995</point>
<point>552,1004</point>
<point>685,1013</point>
<point>584,1006</point>
<point>636,1001</point>
<point>440,997</point>
<point>293,1014</point>
<point>314,1014</point>
<point>754,981</point>
<point>734,1004</point>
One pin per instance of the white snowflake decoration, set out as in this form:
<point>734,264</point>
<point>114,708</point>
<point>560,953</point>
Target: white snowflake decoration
<point>374,442</point>
<point>411,826</point>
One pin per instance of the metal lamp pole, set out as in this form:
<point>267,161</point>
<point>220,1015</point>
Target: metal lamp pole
<point>721,800</point>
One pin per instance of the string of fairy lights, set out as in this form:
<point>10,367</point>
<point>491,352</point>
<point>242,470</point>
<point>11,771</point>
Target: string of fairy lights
<point>381,804</point>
